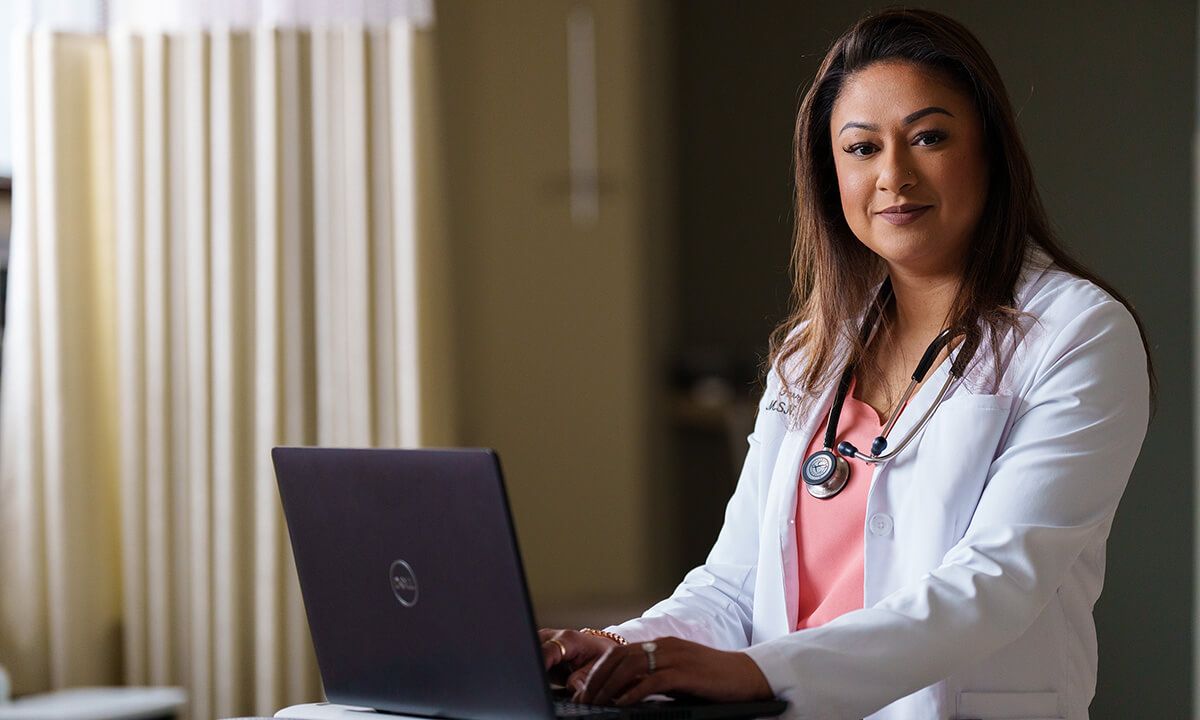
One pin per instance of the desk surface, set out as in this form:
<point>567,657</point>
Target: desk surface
<point>329,711</point>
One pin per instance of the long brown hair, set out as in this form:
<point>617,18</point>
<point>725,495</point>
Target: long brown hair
<point>834,274</point>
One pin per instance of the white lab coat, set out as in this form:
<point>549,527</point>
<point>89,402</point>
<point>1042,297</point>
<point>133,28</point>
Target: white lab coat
<point>984,541</point>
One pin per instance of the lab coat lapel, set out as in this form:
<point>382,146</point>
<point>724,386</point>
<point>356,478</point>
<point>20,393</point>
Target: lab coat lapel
<point>779,533</point>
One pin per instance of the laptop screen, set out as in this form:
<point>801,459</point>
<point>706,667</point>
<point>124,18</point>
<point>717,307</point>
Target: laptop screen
<point>412,582</point>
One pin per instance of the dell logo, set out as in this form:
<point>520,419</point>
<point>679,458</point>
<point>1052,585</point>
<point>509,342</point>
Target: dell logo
<point>404,583</point>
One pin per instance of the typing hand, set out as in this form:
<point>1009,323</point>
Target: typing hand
<point>626,674</point>
<point>568,654</point>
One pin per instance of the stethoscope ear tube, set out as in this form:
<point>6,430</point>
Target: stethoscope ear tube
<point>930,355</point>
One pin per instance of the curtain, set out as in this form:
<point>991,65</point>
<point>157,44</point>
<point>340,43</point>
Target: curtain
<point>215,250</point>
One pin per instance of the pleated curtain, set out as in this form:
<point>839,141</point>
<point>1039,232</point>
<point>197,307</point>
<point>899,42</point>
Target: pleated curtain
<point>214,252</point>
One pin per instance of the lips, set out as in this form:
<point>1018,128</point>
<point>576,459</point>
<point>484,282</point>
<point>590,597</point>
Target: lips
<point>904,214</point>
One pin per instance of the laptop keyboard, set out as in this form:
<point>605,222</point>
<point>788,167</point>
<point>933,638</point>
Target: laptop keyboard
<point>637,711</point>
<point>568,709</point>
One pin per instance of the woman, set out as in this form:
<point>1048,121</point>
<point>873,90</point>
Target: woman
<point>956,580</point>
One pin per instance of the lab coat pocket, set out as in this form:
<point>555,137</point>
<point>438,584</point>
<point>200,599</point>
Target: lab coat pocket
<point>1008,706</point>
<point>955,452</point>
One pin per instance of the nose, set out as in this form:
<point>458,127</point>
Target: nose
<point>895,172</point>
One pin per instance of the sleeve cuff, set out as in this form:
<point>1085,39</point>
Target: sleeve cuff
<point>634,631</point>
<point>775,667</point>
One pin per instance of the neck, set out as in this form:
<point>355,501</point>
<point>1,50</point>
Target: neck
<point>922,304</point>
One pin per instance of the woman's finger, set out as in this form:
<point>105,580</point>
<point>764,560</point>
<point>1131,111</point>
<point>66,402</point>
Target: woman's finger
<point>578,677</point>
<point>659,681</point>
<point>554,651</point>
<point>629,664</point>
<point>599,674</point>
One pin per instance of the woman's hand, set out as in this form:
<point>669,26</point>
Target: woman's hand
<point>572,650</point>
<point>622,674</point>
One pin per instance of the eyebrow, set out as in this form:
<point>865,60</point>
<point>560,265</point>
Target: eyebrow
<point>909,120</point>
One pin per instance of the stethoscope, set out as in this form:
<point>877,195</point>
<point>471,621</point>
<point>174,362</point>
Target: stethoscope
<point>825,472</point>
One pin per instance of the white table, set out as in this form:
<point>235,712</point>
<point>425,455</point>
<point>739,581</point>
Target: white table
<point>330,711</point>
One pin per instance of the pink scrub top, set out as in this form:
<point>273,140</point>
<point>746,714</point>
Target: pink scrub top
<point>829,533</point>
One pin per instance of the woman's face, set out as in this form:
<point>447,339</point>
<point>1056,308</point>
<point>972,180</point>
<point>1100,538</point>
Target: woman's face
<point>911,167</point>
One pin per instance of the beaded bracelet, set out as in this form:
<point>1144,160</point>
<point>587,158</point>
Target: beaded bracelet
<point>605,634</point>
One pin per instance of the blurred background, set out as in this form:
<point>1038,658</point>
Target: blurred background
<point>613,358</point>
<point>604,192</point>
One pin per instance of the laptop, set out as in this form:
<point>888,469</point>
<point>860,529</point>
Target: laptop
<point>415,593</point>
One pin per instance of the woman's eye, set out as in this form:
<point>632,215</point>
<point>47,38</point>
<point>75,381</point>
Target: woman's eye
<point>932,137</point>
<point>861,149</point>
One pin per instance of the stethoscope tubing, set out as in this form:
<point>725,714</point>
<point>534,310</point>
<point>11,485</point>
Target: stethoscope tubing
<point>825,472</point>
<point>908,438</point>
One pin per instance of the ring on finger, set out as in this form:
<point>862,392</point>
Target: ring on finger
<point>562,649</point>
<point>651,661</point>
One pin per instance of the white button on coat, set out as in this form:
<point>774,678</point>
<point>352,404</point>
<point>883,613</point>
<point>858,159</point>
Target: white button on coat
<point>880,524</point>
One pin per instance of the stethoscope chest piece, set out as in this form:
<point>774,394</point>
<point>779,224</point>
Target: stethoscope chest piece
<point>824,474</point>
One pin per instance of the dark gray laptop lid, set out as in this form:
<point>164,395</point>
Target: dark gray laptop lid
<point>412,581</point>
